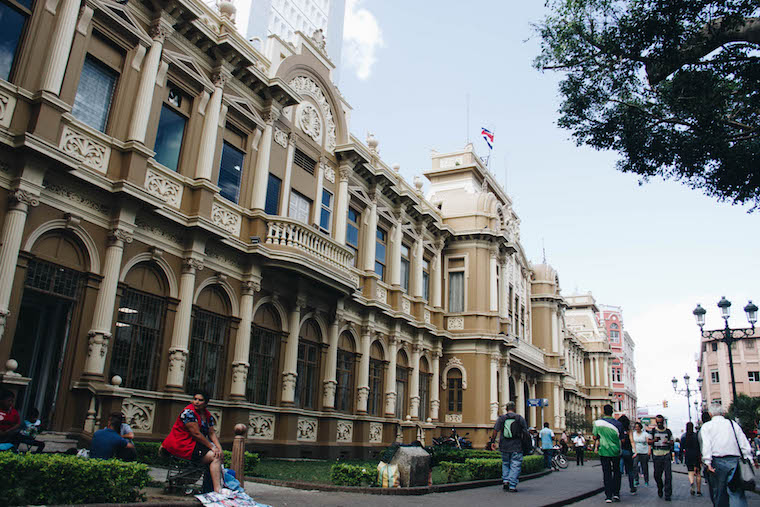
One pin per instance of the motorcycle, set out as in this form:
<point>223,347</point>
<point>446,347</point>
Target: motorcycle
<point>453,440</point>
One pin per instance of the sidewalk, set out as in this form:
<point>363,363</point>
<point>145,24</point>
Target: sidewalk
<point>546,490</point>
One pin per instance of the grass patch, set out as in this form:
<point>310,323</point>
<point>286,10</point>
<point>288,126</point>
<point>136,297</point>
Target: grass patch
<point>303,471</point>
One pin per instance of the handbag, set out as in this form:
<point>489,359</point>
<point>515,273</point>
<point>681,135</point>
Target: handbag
<point>744,476</point>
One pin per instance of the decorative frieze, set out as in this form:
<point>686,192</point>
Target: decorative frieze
<point>226,219</point>
<point>261,426</point>
<point>427,316</point>
<point>281,137</point>
<point>307,429</point>
<point>7,106</point>
<point>453,418</point>
<point>310,122</point>
<point>381,294</point>
<point>164,188</point>
<point>455,323</point>
<point>307,86</point>
<point>329,173</point>
<point>78,196</point>
<point>84,148</point>
<point>139,414</point>
<point>375,433</point>
<point>406,306</point>
<point>345,431</point>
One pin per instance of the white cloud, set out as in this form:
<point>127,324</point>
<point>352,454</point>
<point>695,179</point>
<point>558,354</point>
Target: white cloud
<point>361,38</point>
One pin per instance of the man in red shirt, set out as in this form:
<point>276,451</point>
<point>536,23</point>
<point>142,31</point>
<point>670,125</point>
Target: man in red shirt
<point>10,422</point>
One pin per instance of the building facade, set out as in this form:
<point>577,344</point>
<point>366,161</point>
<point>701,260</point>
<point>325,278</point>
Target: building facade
<point>185,212</point>
<point>623,367</point>
<point>713,368</point>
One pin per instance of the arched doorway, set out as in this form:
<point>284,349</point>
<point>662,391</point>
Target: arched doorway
<point>209,336</point>
<point>402,385</point>
<point>376,375</point>
<point>307,382</point>
<point>345,374</point>
<point>263,356</point>
<point>425,379</point>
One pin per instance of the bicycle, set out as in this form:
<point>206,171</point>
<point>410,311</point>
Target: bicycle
<point>559,460</point>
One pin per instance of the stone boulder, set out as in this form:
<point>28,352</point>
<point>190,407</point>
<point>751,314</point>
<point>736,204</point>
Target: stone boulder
<point>413,466</point>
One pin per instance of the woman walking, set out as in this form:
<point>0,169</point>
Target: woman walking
<point>626,446</point>
<point>692,457</point>
<point>640,452</point>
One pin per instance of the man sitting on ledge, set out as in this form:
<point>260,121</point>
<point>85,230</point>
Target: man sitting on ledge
<point>107,443</point>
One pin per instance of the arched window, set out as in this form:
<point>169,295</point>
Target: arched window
<point>402,385</point>
<point>208,340</point>
<point>139,327</point>
<point>376,374</point>
<point>344,390</point>
<point>454,388</point>
<point>425,378</point>
<point>307,382</point>
<point>263,356</point>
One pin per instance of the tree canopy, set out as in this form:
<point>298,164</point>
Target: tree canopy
<point>746,411</point>
<point>672,85</point>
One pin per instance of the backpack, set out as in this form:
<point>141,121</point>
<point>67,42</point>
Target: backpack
<point>511,428</point>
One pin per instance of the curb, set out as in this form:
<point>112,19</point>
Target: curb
<point>413,491</point>
<point>576,498</point>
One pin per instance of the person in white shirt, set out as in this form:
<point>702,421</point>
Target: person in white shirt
<point>640,452</point>
<point>721,454</point>
<point>580,447</point>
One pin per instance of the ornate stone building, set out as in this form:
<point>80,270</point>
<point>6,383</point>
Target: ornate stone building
<point>185,212</point>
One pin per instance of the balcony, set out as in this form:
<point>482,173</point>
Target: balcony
<point>291,234</point>
<point>529,353</point>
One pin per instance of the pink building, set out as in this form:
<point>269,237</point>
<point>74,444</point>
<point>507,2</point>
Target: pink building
<point>623,368</point>
<point>716,375</point>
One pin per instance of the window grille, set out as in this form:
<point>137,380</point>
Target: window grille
<point>206,358</point>
<point>455,394</point>
<point>304,161</point>
<point>425,379</point>
<point>375,401</point>
<point>308,373</point>
<point>402,382</point>
<point>262,375</point>
<point>344,390</point>
<point>53,279</point>
<point>137,340</point>
<point>94,94</point>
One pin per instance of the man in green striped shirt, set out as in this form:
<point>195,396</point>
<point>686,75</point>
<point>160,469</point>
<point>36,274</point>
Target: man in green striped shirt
<point>607,435</point>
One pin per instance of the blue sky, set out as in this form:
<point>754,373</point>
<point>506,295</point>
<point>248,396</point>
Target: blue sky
<point>656,250</point>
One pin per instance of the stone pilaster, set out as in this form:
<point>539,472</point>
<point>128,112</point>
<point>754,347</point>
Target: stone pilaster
<point>240,364</point>
<point>210,131</point>
<point>175,378</point>
<point>290,369</point>
<point>436,274</point>
<point>261,174</point>
<point>285,206</point>
<point>363,380</point>
<point>341,204</point>
<point>144,98</point>
<point>390,377</point>
<point>370,232</point>
<point>330,382</point>
<point>60,46</point>
<point>414,383</point>
<point>435,386</point>
<point>493,385</point>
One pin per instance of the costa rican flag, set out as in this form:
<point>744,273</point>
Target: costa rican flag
<point>488,136</point>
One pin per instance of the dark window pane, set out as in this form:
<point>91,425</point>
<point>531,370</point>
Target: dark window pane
<point>11,26</point>
<point>353,216</point>
<point>230,171</point>
<point>307,370</point>
<point>206,358</point>
<point>262,374</point>
<point>380,252</point>
<point>405,274</point>
<point>352,236</point>
<point>303,161</point>
<point>324,219</point>
<point>380,270</point>
<point>375,401</point>
<point>344,390</point>
<point>171,129</point>
<point>425,285</point>
<point>272,205</point>
<point>93,100</point>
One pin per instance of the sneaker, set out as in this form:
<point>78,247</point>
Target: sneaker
<point>646,483</point>
<point>667,498</point>
<point>513,489</point>
<point>659,492</point>
<point>615,498</point>
<point>699,493</point>
<point>633,491</point>
<point>506,486</point>
<point>691,490</point>
<point>609,500</point>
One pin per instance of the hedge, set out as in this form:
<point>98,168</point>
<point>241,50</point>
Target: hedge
<point>586,455</point>
<point>475,469</point>
<point>343,474</point>
<point>147,452</point>
<point>439,454</point>
<point>39,479</point>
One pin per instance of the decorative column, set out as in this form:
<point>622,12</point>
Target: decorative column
<point>494,387</point>
<point>19,202</point>
<point>285,207</point>
<point>503,281</point>
<point>178,351</point>
<point>290,366</point>
<point>520,402</point>
<point>532,410</point>
<point>414,383</point>
<point>555,389</point>
<point>362,393</point>
<point>435,276</point>
<point>240,362</point>
<point>261,174</point>
<point>330,382</point>
<point>210,131</point>
<point>493,305</point>
<point>341,204</point>
<point>562,420</point>
<point>390,378</point>
<point>60,45</point>
<point>504,385</point>
<point>317,208</point>
<point>102,320</point>
<point>419,255</point>
<point>144,98</point>
<point>370,232</point>
<point>435,387</point>
<point>394,261</point>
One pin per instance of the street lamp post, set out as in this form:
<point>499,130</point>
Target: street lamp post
<point>727,335</point>
<point>688,391</point>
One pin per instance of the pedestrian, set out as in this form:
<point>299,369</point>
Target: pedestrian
<point>580,446</point>
<point>709,477</point>
<point>608,433</point>
<point>640,452</point>
<point>723,445</point>
<point>546,435</point>
<point>107,443</point>
<point>661,440</point>
<point>510,427</point>
<point>626,452</point>
<point>692,455</point>
<point>677,451</point>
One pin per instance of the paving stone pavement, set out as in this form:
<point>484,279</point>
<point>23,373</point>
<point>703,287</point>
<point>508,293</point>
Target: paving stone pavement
<point>536,492</point>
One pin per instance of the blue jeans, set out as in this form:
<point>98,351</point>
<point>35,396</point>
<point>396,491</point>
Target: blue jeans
<point>725,467</point>
<point>511,464</point>
<point>548,454</point>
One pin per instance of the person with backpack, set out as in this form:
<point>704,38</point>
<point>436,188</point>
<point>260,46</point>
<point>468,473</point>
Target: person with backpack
<point>512,430</point>
<point>608,434</point>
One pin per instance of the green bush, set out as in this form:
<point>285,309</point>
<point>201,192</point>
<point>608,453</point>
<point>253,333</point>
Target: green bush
<point>147,452</point>
<point>452,455</point>
<point>476,469</point>
<point>60,479</point>
<point>455,472</point>
<point>484,468</point>
<point>532,464</point>
<point>343,474</point>
<point>586,455</point>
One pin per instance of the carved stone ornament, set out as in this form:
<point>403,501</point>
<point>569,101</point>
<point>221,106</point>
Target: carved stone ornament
<point>219,78</point>
<point>307,429</point>
<point>281,137</point>
<point>375,433</point>
<point>381,294</point>
<point>271,116</point>
<point>453,418</point>
<point>121,235</point>
<point>427,316</point>
<point>344,173</point>
<point>406,306</point>
<point>87,150</point>
<point>23,197</point>
<point>345,431</point>
<point>318,38</point>
<point>455,323</point>
<point>239,373</point>
<point>310,122</point>
<point>158,31</point>
<point>329,173</point>
<point>448,163</point>
<point>177,359</point>
<point>261,426</point>
<point>453,363</point>
<point>217,413</point>
<point>390,403</point>
<point>97,344</point>
<point>251,286</point>
<point>192,264</point>
<point>139,414</point>
<point>288,382</point>
<point>7,106</point>
<point>164,188</point>
<point>226,219</point>
<point>307,86</point>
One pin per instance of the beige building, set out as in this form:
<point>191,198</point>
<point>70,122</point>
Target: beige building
<point>185,212</point>
<point>713,368</point>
